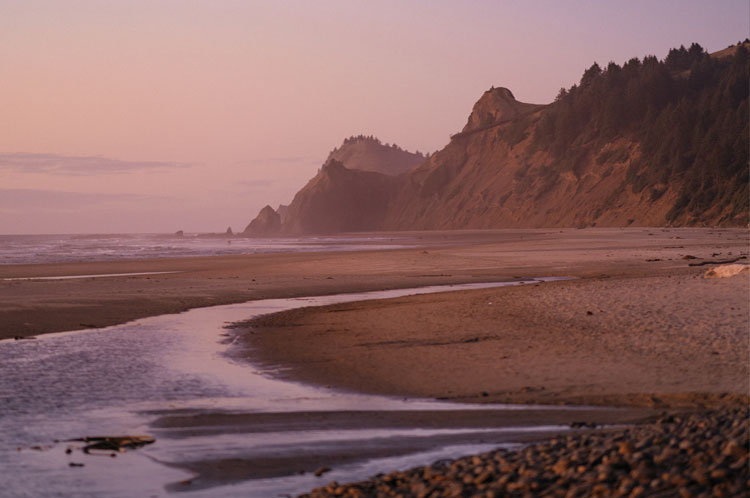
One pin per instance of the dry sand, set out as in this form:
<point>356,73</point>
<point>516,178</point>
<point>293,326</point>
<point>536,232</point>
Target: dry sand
<point>638,340</point>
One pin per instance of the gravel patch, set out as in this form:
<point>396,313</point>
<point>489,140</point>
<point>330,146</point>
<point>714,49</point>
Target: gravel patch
<point>698,454</point>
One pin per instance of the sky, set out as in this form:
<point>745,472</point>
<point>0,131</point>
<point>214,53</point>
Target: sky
<point>157,116</point>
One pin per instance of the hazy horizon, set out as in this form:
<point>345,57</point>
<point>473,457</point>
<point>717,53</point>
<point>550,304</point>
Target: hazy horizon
<point>138,117</point>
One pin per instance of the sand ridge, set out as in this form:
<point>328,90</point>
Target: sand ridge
<point>676,340</point>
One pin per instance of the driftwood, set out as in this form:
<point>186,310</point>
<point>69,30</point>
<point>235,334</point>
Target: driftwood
<point>718,261</point>
<point>114,443</point>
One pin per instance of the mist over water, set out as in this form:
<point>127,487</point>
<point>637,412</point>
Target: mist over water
<point>29,249</point>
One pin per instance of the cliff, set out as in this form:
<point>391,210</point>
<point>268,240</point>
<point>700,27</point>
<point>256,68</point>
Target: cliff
<point>339,199</point>
<point>351,191</point>
<point>650,143</point>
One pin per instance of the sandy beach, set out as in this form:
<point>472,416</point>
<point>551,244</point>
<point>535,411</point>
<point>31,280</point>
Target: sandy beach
<point>30,307</point>
<point>636,325</point>
<point>654,341</point>
<point>640,326</point>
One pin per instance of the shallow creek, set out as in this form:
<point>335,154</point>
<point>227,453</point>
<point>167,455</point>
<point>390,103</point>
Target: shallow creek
<point>160,375</point>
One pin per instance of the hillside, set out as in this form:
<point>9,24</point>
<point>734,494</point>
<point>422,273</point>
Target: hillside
<point>649,143</point>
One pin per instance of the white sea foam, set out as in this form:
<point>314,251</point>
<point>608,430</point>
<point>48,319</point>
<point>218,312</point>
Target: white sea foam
<point>29,249</point>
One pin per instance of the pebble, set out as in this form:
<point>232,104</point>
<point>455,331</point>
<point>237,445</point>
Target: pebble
<point>321,470</point>
<point>699,454</point>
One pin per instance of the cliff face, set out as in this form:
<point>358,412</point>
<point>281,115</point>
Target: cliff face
<point>351,192</point>
<point>339,199</point>
<point>490,176</point>
<point>482,181</point>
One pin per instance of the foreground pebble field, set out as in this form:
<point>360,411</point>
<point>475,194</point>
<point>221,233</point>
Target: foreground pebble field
<point>699,454</point>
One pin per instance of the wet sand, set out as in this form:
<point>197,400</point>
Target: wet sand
<point>472,427</point>
<point>30,307</point>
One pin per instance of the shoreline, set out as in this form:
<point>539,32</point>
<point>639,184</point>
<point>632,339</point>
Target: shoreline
<point>454,345</point>
<point>32,307</point>
<point>469,427</point>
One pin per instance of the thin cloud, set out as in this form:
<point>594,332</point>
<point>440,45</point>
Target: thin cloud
<point>56,164</point>
<point>255,184</point>
<point>280,160</point>
<point>275,160</point>
<point>15,199</point>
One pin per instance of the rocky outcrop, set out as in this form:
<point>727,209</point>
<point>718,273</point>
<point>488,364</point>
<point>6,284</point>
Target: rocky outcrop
<point>267,223</point>
<point>497,105</point>
<point>369,154</point>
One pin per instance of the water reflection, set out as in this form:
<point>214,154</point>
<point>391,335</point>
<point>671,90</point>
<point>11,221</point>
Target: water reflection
<point>118,380</point>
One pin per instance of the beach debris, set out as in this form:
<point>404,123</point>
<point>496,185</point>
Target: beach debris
<point>23,338</point>
<point>75,464</point>
<point>689,256</point>
<point>726,271</point>
<point>39,447</point>
<point>321,470</point>
<point>113,443</point>
<point>718,261</point>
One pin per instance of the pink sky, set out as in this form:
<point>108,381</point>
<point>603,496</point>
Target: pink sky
<point>131,116</point>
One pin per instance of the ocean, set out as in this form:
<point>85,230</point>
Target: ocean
<point>29,249</point>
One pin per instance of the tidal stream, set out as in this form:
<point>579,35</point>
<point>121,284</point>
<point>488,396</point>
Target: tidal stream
<point>131,378</point>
